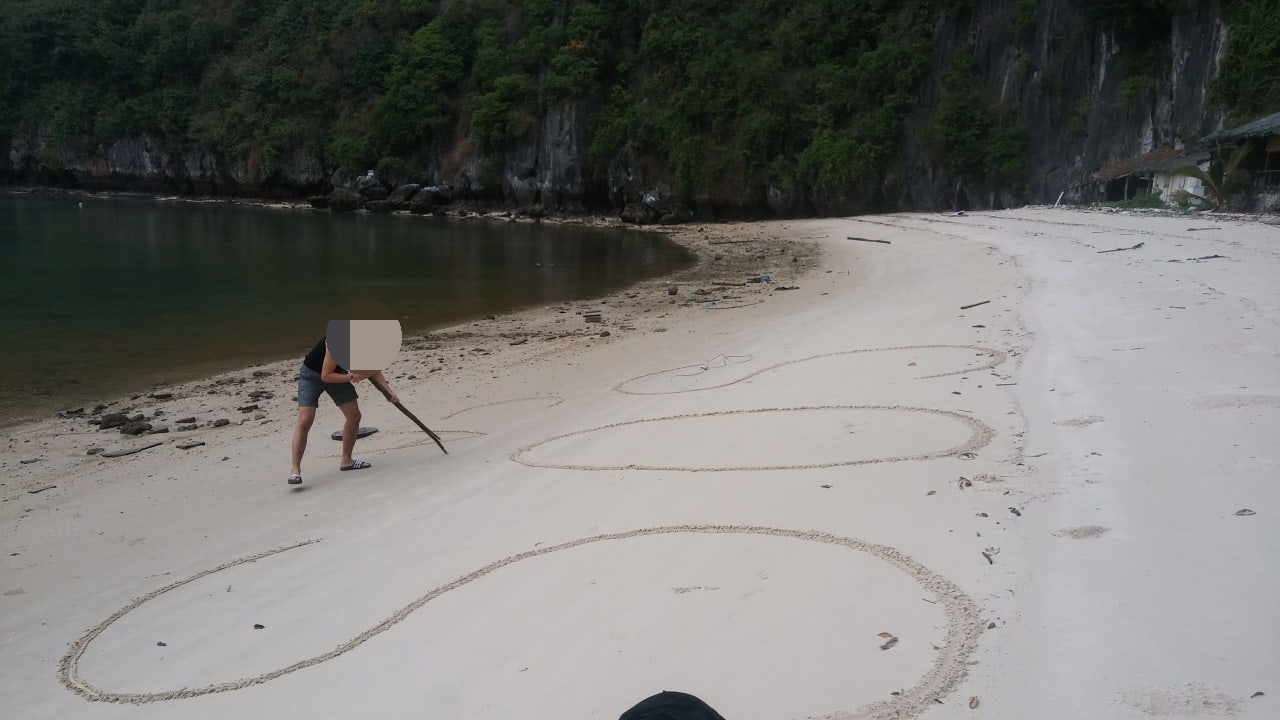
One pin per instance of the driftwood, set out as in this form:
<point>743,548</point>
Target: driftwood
<point>1135,247</point>
<point>130,451</point>
<point>974,305</point>
<point>50,487</point>
<point>886,242</point>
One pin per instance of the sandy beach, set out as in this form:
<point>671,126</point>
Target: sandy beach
<point>1003,465</point>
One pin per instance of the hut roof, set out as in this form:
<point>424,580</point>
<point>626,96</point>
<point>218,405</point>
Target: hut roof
<point>1163,158</point>
<point>1262,127</point>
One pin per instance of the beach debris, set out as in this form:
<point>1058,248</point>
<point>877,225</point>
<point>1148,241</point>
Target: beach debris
<point>190,444</point>
<point>968,456</point>
<point>890,640</point>
<point>1245,511</point>
<point>965,482</point>
<point>991,625</point>
<point>1203,228</point>
<point>259,626</point>
<point>135,427</point>
<point>760,279</point>
<point>129,451</point>
<point>521,341</point>
<point>1257,694</point>
<point>787,287</point>
<point>159,430</point>
<point>885,242</point>
<point>360,433</point>
<point>162,644</point>
<point>1015,511</point>
<point>981,514</point>
<point>828,487</point>
<point>111,420</point>
<point>221,422</point>
<point>592,317</point>
<point>605,333</point>
<point>1133,247</point>
<point>184,428</point>
<point>40,490</point>
<point>931,492</point>
<point>1203,257</point>
<point>973,703</point>
<point>94,450</point>
<point>987,555</point>
<point>672,289</point>
<point>160,395</point>
<point>974,305</point>
<point>29,461</point>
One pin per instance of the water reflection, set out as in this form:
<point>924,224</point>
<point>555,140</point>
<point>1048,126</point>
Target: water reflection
<point>119,293</point>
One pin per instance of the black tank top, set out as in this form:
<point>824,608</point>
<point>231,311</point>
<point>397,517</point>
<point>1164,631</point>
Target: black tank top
<point>315,358</point>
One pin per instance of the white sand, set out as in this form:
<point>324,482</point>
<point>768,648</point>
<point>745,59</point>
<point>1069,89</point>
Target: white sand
<point>735,503</point>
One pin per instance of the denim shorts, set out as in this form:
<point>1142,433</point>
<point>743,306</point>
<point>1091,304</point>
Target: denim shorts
<point>310,387</point>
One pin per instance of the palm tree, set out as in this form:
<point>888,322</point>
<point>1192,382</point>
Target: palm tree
<point>1218,190</point>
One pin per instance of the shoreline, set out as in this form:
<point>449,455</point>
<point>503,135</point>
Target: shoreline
<point>44,404</point>
<point>721,255</point>
<point>978,463</point>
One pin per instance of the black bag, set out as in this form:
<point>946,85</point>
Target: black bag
<point>668,705</point>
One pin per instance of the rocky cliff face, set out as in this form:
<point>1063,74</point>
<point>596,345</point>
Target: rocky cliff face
<point>1085,97</point>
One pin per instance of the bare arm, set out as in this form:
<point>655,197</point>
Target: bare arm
<point>380,381</point>
<point>328,375</point>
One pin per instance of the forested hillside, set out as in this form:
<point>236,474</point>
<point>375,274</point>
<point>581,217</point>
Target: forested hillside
<point>682,107</point>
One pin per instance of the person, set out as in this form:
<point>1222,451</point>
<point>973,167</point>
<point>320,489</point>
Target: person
<point>320,373</point>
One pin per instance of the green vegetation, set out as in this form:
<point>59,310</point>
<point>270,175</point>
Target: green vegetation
<point>720,99</point>
<point>1248,84</point>
<point>1222,181</point>
<point>1141,201</point>
<point>980,141</point>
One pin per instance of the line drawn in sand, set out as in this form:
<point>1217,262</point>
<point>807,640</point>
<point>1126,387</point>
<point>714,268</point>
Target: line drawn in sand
<point>994,358</point>
<point>949,667</point>
<point>980,436</point>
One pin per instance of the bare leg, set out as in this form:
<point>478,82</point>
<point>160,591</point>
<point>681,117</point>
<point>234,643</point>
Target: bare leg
<point>349,430</point>
<point>306,416</point>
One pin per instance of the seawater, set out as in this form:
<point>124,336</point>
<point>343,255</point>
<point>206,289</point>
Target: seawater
<point>105,296</point>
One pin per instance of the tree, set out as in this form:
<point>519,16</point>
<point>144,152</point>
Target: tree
<point>1219,188</point>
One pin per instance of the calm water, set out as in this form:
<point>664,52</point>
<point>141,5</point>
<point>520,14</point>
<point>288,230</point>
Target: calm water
<point>118,294</point>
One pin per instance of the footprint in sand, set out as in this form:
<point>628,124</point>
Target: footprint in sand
<point>1083,532</point>
<point>1084,421</point>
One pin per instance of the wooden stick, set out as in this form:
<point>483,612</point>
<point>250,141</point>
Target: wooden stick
<point>1135,247</point>
<point>974,305</point>
<point>129,451</point>
<point>425,429</point>
<point>886,242</point>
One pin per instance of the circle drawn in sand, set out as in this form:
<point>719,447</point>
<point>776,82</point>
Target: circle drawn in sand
<point>995,357</point>
<point>759,437</point>
<point>964,623</point>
